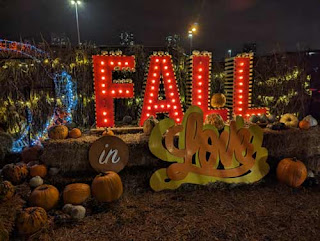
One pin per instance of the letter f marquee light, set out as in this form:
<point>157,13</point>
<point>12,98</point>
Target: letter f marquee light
<point>106,90</point>
<point>238,86</point>
<point>161,67</point>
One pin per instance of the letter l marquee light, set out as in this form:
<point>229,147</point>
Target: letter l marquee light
<point>161,66</point>
<point>238,87</point>
<point>106,90</point>
<point>200,86</point>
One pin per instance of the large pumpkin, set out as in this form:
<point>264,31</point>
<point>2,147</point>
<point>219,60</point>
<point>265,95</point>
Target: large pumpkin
<point>6,191</point>
<point>30,154</point>
<point>291,172</point>
<point>76,193</point>
<point>218,100</point>
<point>45,196</point>
<point>75,133</point>
<point>38,170</point>
<point>107,187</point>
<point>290,120</point>
<point>15,173</point>
<point>31,220</point>
<point>58,132</point>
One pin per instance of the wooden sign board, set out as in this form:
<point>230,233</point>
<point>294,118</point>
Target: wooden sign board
<point>109,153</point>
<point>203,155</point>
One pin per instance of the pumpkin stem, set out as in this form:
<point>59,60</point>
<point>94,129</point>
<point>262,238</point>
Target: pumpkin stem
<point>294,159</point>
<point>43,188</point>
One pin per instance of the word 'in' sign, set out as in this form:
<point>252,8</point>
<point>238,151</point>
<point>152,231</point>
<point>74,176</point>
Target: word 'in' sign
<point>108,153</point>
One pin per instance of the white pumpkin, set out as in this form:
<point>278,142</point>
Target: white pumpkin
<point>78,212</point>
<point>36,182</point>
<point>67,208</point>
<point>311,120</point>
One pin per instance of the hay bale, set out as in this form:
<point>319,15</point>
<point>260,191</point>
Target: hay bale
<point>72,155</point>
<point>302,144</point>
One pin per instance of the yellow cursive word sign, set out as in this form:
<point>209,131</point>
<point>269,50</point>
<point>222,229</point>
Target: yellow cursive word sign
<point>202,155</point>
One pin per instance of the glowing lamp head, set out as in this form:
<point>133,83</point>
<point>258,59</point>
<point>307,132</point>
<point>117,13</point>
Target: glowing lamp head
<point>127,91</point>
<point>113,92</point>
<point>102,63</point>
<point>105,120</point>
<point>104,113</point>
<point>112,63</point>
<point>126,63</point>
<point>120,91</point>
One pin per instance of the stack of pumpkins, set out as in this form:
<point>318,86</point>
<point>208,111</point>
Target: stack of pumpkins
<point>60,132</point>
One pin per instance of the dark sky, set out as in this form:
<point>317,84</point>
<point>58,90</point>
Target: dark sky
<point>224,24</point>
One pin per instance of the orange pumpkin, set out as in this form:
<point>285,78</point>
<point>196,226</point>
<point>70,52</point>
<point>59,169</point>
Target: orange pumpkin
<point>218,100</point>
<point>76,193</point>
<point>75,133</point>
<point>45,196</point>
<point>108,132</point>
<point>38,170</point>
<point>291,172</point>
<point>6,191</point>
<point>31,220</point>
<point>304,124</point>
<point>31,154</point>
<point>58,132</point>
<point>107,187</point>
<point>15,173</point>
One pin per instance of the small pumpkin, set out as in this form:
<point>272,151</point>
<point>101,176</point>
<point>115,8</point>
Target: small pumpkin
<point>38,170</point>
<point>218,100</point>
<point>45,196</point>
<point>215,120</point>
<point>76,193</point>
<point>107,187</point>
<point>291,172</point>
<point>75,133</point>
<point>108,132</point>
<point>6,190</point>
<point>15,173</point>
<point>36,182</point>
<point>58,132</point>
<point>290,120</point>
<point>78,212</point>
<point>148,125</point>
<point>67,208</point>
<point>31,220</point>
<point>31,154</point>
<point>304,124</point>
<point>254,119</point>
<point>313,122</point>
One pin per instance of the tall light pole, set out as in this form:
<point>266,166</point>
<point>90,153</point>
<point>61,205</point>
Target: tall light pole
<point>76,3</point>
<point>192,31</point>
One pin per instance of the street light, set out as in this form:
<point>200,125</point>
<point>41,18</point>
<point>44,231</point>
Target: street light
<point>192,31</point>
<point>76,3</point>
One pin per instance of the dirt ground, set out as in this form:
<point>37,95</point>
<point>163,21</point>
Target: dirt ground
<point>264,211</point>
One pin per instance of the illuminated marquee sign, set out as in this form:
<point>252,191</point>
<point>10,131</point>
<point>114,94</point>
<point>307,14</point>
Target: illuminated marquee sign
<point>161,73</point>
<point>238,87</point>
<point>199,88</point>
<point>161,68</point>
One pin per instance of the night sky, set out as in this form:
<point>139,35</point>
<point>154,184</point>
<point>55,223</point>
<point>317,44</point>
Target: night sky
<point>224,24</point>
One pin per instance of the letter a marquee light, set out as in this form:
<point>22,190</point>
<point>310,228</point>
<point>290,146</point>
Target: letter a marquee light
<point>106,90</point>
<point>161,67</point>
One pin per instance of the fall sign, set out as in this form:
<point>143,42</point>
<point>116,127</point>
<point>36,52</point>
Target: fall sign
<point>203,155</point>
<point>108,153</point>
